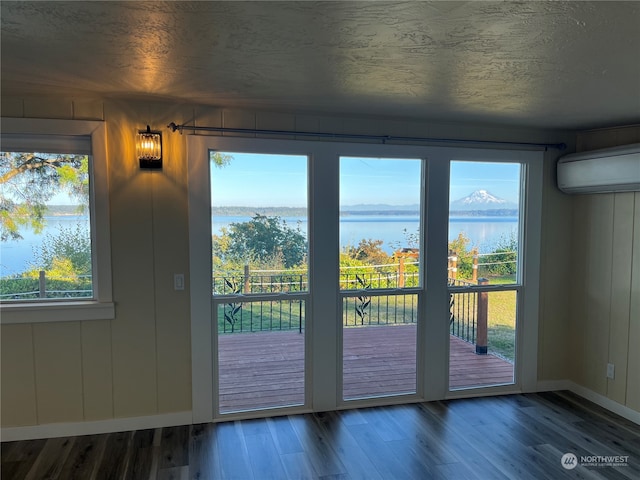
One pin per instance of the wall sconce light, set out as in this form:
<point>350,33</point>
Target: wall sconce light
<point>149,148</point>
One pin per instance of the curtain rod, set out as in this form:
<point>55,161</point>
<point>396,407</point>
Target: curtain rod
<point>354,136</point>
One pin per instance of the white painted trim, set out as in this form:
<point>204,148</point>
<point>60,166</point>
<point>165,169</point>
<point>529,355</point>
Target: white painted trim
<point>601,400</point>
<point>53,430</point>
<point>529,297</point>
<point>434,336</point>
<point>325,351</point>
<point>202,330</point>
<point>605,402</point>
<point>101,307</point>
<point>57,312</point>
<point>553,385</point>
<point>477,392</point>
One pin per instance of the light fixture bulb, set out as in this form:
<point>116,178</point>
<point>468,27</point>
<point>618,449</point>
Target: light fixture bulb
<point>149,148</point>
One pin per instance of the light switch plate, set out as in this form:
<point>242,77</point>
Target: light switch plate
<point>610,370</point>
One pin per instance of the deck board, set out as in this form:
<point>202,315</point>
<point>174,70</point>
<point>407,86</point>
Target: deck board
<point>266,369</point>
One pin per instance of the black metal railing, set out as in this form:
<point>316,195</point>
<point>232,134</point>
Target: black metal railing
<point>261,316</point>
<point>463,307</point>
<point>366,310</point>
<point>361,308</point>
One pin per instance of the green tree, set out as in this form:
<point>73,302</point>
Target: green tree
<point>460,246</point>
<point>263,241</point>
<point>221,160</point>
<point>28,181</point>
<point>368,251</point>
<point>64,255</point>
<point>411,240</point>
<point>504,256</point>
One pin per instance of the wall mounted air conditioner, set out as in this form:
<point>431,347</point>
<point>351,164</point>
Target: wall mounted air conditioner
<point>614,169</point>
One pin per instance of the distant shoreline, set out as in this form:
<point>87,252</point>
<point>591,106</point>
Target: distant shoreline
<point>302,212</point>
<point>231,211</point>
<point>64,211</point>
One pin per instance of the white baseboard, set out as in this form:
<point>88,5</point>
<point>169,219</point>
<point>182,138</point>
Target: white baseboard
<point>52,430</point>
<point>553,385</point>
<point>592,396</point>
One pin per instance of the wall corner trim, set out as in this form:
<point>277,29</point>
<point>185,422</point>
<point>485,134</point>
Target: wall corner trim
<point>54,430</point>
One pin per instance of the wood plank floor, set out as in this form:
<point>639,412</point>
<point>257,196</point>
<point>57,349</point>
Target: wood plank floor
<point>519,437</point>
<point>266,369</point>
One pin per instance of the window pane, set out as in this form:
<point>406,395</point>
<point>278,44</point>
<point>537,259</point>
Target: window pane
<point>379,345</point>
<point>261,316</point>
<point>484,219</point>
<point>379,223</point>
<point>261,357</point>
<point>482,327</point>
<point>46,236</point>
<point>259,223</point>
<point>259,233</point>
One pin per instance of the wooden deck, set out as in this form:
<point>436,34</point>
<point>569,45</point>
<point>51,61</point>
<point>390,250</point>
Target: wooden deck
<point>266,369</point>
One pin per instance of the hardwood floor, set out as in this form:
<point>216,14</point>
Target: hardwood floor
<point>509,437</point>
<point>266,369</point>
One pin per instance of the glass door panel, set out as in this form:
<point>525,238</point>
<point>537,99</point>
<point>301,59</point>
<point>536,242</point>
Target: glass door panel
<point>380,274</point>
<point>484,256</point>
<point>482,339</point>
<point>259,278</point>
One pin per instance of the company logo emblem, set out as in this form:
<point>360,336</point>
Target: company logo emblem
<point>569,461</point>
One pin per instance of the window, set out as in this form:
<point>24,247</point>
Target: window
<point>55,239</point>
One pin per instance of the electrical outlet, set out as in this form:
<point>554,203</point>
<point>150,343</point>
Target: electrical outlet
<point>611,370</point>
<point>178,281</point>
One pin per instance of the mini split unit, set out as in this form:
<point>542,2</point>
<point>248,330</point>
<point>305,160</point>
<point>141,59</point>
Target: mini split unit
<point>601,171</point>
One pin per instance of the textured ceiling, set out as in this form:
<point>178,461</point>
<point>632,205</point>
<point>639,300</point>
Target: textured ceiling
<point>543,64</point>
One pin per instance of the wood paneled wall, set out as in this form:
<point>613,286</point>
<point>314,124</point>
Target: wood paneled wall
<point>140,363</point>
<point>605,259</point>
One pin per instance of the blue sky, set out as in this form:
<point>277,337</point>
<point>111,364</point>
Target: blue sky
<point>281,180</point>
<point>500,179</point>
<point>259,180</point>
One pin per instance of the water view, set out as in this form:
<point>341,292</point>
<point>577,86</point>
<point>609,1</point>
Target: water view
<point>484,232</point>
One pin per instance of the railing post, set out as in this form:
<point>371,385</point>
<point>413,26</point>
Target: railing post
<point>42,284</point>
<point>474,268</point>
<point>401,272</point>
<point>247,280</point>
<point>482,314</point>
<point>453,264</point>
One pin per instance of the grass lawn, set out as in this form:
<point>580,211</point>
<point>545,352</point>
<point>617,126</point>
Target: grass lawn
<point>501,324</point>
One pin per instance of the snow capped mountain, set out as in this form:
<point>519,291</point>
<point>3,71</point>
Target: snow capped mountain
<point>482,200</point>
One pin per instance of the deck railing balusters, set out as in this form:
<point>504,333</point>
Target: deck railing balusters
<point>394,310</point>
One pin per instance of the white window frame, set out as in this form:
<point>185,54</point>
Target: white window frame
<point>100,306</point>
<point>324,342</point>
